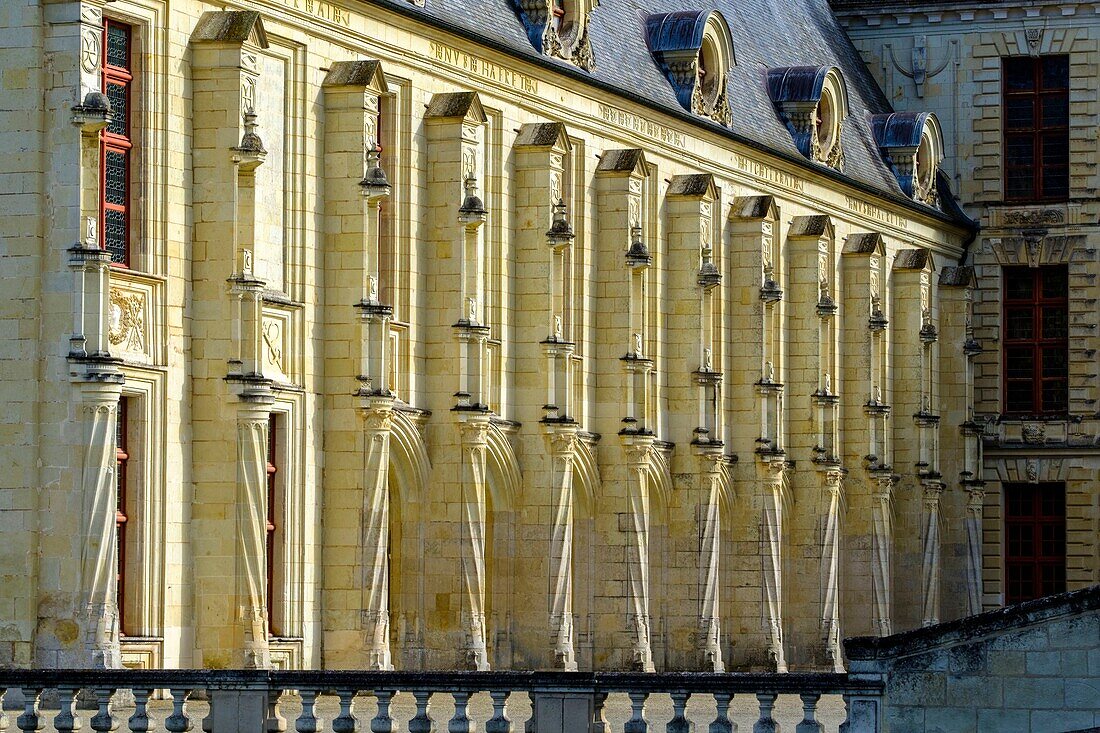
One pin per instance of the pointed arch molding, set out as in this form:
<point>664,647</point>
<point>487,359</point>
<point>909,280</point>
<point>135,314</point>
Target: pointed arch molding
<point>410,465</point>
<point>502,462</point>
<point>586,475</point>
<point>660,474</point>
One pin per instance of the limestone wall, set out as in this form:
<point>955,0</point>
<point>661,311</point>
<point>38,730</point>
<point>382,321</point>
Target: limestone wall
<point>495,446</point>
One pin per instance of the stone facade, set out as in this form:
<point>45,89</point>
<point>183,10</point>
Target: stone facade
<point>1030,667</point>
<point>947,57</point>
<point>559,379</point>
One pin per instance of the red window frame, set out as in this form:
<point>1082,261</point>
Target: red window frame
<point>1035,540</point>
<point>116,139</point>
<point>1035,343</point>
<point>1036,128</point>
<point>122,520</point>
<point>271,526</point>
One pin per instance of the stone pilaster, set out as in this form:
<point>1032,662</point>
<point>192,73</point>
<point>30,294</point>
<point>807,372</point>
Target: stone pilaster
<point>930,565</point>
<point>882,541</point>
<point>377,415</point>
<point>473,435</point>
<point>563,443</point>
<point>975,509</point>
<point>772,482</point>
<point>636,455</point>
<point>833,481</point>
<point>713,483</point>
<point>251,521</point>
<point>98,614</point>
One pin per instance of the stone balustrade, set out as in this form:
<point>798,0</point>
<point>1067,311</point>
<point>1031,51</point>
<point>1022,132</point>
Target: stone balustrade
<point>248,700</point>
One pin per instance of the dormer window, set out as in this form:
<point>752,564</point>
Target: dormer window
<point>912,145</point>
<point>559,28</point>
<point>813,102</point>
<point>695,52</point>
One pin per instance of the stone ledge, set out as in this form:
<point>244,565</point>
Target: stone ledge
<point>970,628</point>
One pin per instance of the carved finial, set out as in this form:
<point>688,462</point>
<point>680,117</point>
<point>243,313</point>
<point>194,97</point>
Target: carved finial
<point>638,254</point>
<point>251,142</point>
<point>374,183</point>
<point>560,232</point>
<point>472,208</point>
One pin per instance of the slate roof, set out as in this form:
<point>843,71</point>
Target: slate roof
<point>766,34</point>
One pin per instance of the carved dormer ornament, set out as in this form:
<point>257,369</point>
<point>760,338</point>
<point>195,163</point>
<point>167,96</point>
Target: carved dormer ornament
<point>559,28</point>
<point>912,145</point>
<point>695,51</point>
<point>813,103</point>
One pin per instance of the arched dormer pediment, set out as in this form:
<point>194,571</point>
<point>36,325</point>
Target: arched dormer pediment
<point>559,28</point>
<point>912,145</point>
<point>694,50</point>
<point>812,101</point>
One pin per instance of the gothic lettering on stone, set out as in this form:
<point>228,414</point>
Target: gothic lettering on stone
<point>248,93</point>
<point>469,162</point>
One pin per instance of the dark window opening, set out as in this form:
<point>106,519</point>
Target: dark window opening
<point>122,519</point>
<point>1036,128</point>
<point>115,143</point>
<point>1036,340</point>
<point>1035,540</point>
<point>271,527</point>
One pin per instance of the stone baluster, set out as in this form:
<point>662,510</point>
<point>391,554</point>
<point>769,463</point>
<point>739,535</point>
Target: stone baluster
<point>3,715</point>
<point>103,721</point>
<point>637,722</point>
<point>722,722</point>
<point>679,722</point>
<point>382,722</point>
<point>499,723</point>
<point>65,721</point>
<point>178,721</point>
<point>809,722</point>
<point>422,722</point>
<point>307,721</point>
<point>460,722</point>
<point>139,722</point>
<point>599,722</point>
<point>29,721</point>
<point>766,723</point>
<point>345,722</point>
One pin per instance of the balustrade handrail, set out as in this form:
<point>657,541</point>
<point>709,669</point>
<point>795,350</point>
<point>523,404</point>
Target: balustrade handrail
<point>446,681</point>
